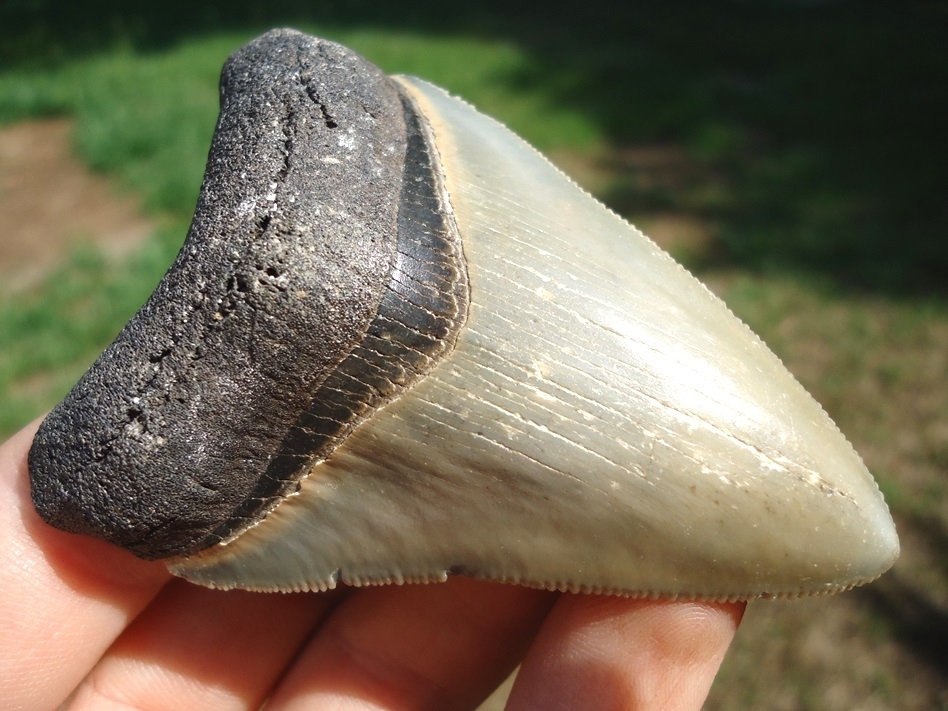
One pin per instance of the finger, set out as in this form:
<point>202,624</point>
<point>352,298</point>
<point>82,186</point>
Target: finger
<point>614,653</point>
<point>198,649</point>
<point>63,598</point>
<point>440,646</point>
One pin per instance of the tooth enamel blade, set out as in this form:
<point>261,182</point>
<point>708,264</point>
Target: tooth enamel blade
<point>604,424</point>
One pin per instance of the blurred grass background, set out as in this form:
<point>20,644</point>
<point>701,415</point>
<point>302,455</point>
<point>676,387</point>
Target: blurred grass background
<point>792,154</point>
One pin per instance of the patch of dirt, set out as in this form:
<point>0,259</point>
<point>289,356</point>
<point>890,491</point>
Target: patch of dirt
<point>51,202</point>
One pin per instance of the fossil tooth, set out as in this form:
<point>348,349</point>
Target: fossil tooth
<point>399,345</point>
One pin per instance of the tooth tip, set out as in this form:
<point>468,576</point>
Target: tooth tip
<point>885,547</point>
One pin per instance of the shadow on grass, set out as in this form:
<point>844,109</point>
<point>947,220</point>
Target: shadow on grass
<point>920,624</point>
<point>816,126</point>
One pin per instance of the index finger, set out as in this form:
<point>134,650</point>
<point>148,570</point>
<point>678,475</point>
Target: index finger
<point>63,598</point>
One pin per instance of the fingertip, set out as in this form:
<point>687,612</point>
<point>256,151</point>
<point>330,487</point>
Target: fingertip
<point>85,564</point>
<point>63,597</point>
<point>608,652</point>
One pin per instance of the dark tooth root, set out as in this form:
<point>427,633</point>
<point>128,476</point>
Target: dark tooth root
<point>419,317</point>
<point>289,289</point>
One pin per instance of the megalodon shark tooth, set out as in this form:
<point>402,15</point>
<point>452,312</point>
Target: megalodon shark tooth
<point>398,345</point>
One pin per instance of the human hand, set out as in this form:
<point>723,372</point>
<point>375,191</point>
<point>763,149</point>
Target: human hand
<point>83,620</point>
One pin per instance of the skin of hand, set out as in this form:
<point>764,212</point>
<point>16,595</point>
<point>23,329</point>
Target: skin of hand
<point>85,625</point>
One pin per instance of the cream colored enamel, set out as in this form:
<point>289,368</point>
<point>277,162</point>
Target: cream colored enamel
<point>604,423</point>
